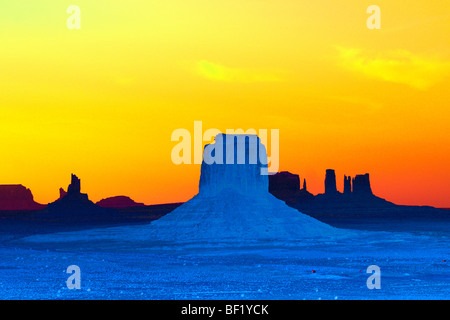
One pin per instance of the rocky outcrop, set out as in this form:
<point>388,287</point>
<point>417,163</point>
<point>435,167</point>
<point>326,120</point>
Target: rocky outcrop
<point>284,184</point>
<point>361,185</point>
<point>227,166</point>
<point>347,185</point>
<point>74,206</point>
<point>360,197</point>
<point>303,195</point>
<point>119,202</point>
<point>330,182</point>
<point>17,197</point>
<point>73,195</point>
<point>75,185</point>
<point>62,193</point>
<point>233,204</point>
<point>234,212</point>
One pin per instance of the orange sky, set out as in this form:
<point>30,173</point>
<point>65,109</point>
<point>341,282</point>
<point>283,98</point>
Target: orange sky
<point>103,101</point>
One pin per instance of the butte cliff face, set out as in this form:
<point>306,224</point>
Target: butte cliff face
<point>234,203</point>
<point>17,197</point>
<point>233,162</point>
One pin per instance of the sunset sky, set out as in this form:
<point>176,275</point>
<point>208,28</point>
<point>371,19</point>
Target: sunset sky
<point>103,101</point>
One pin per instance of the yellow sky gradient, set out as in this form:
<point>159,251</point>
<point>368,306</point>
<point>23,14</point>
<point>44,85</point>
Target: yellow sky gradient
<point>103,101</point>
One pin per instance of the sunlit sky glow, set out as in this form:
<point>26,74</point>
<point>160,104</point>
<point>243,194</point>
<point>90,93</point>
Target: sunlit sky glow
<point>103,101</point>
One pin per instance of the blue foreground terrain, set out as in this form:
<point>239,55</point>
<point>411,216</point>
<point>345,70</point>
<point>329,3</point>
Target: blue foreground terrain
<point>413,265</point>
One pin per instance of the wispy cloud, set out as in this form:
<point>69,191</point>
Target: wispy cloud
<point>398,66</point>
<point>219,72</point>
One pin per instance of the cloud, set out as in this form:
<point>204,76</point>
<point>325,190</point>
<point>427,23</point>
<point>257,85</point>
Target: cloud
<point>398,66</point>
<point>219,72</point>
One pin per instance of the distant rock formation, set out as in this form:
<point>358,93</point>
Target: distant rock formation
<point>357,195</point>
<point>284,184</point>
<point>330,182</point>
<point>356,202</point>
<point>74,206</point>
<point>347,185</point>
<point>119,202</point>
<point>73,194</point>
<point>361,185</point>
<point>75,186</point>
<point>62,193</point>
<point>17,197</point>
<point>303,195</point>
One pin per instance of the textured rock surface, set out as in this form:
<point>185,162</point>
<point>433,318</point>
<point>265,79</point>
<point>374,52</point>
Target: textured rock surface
<point>17,197</point>
<point>233,162</point>
<point>234,203</point>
